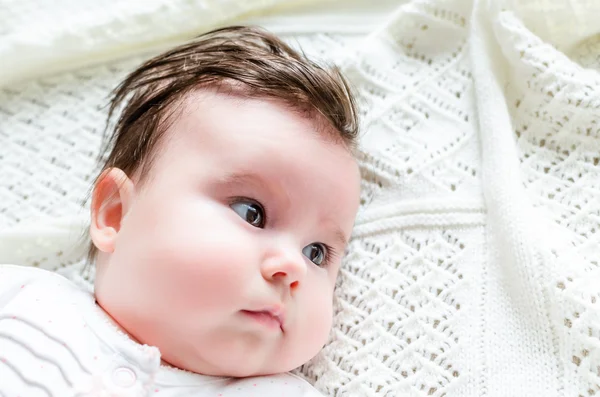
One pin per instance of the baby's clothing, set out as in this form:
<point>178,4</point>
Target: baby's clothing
<point>55,341</point>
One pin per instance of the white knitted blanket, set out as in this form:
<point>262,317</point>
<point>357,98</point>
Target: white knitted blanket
<point>475,265</point>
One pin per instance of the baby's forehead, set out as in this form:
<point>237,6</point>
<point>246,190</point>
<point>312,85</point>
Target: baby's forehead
<point>228,100</point>
<point>226,117</point>
<point>242,129</point>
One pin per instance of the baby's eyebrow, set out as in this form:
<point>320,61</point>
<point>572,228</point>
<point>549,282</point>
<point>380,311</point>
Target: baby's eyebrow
<point>340,237</point>
<point>240,178</point>
<point>252,178</point>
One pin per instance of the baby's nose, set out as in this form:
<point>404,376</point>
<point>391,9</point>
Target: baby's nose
<point>287,266</point>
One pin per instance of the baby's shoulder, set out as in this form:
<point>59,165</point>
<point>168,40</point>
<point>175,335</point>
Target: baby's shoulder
<point>22,283</point>
<point>12,274</point>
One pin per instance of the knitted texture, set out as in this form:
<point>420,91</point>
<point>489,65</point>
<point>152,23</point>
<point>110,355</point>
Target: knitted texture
<point>474,268</point>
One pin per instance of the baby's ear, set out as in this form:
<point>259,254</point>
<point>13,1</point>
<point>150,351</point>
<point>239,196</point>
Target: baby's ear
<point>111,200</point>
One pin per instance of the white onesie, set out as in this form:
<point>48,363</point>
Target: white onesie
<point>56,342</point>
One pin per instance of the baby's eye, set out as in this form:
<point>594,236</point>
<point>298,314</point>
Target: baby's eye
<point>251,212</point>
<point>316,252</point>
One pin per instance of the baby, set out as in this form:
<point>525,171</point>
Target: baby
<point>218,225</point>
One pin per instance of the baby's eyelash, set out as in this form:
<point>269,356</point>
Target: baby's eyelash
<point>330,255</point>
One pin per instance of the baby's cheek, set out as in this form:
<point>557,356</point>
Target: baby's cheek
<point>322,323</point>
<point>207,269</point>
<point>315,322</point>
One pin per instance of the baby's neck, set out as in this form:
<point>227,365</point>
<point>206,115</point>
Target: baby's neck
<point>116,324</point>
<point>120,328</point>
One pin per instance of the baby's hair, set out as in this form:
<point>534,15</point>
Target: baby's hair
<point>246,61</point>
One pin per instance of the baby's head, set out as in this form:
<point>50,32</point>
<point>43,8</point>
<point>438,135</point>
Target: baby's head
<point>221,215</point>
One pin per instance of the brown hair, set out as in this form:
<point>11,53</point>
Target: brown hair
<point>250,61</point>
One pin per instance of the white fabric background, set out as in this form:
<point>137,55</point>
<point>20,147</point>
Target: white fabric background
<point>474,266</point>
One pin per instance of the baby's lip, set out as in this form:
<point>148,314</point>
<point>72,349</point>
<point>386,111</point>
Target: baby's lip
<point>276,311</point>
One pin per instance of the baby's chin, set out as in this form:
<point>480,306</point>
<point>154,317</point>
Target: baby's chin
<point>214,371</point>
<point>237,371</point>
<point>235,365</point>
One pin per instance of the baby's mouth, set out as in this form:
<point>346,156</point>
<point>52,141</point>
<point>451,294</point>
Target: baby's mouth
<point>272,319</point>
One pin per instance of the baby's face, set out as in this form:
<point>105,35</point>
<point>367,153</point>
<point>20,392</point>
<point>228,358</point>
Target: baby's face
<point>226,257</point>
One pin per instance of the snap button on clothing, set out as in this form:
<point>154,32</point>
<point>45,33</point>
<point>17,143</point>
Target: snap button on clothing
<point>124,377</point>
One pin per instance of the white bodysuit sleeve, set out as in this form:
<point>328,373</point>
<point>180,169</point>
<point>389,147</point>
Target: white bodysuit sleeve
<point>33,360</point>
<point>13,279</point>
